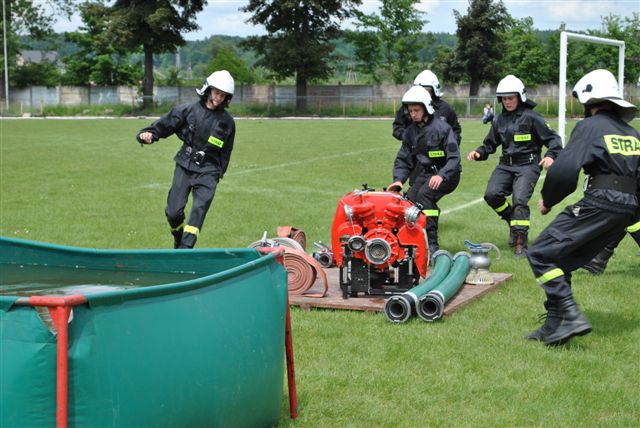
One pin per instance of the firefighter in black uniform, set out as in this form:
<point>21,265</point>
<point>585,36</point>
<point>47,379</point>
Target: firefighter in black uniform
<point>430,146</point>
<point>207,132</point>
<point>442,110</point>
<point>521,132</point>
<point>608,149</point>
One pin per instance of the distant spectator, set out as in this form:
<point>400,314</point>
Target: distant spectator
<point>488,113</point>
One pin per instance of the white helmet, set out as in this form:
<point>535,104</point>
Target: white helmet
<point>220,80</point>
<point>418,95</point>
<point>601,85</point>
<point>511,85</point>
<point>427,78</point>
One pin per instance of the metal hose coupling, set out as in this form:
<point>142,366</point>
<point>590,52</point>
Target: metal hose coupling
<point>431,305</point>
<point>399,308</point>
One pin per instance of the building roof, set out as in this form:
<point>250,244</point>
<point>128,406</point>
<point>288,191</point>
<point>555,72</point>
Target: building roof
<point>36,56</point>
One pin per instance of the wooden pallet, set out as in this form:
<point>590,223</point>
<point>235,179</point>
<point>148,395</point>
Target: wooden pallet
<point>334,300</point>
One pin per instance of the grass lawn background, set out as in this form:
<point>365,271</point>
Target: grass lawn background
<point>88,183</point>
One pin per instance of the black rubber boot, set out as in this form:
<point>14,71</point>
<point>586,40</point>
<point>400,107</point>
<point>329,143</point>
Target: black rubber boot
<point>512,238</point>
<point>571,323</point>
<point>598,264</point>
<point>432,235</point>
<point>551,322</point>
<point>177,237</point>
<point>520,249</point>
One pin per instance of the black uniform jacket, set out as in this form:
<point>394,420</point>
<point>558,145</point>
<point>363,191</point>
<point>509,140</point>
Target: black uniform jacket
<point>211,132</point>
<point>601,144</point>
<point>443,111</point>
<point>520,133</point>
<point>433,147</point>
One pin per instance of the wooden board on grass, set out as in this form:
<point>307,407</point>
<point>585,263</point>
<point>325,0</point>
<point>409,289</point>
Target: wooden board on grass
<point>334,300</point>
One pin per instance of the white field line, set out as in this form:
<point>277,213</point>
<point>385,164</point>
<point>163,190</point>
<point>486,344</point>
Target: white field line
<point>475,201</point>
<point>282,165</point>
<point>304,161</point>
<point>463,206</point>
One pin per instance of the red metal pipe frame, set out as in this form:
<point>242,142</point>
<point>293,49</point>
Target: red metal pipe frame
<point>288,341</point>
<point>291,375</point>
<point>60,309</point>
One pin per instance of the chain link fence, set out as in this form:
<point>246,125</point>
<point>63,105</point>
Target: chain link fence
<point>267,100</point>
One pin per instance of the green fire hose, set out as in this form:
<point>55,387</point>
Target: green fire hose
<point>431,305</point>
<point>399,308</point>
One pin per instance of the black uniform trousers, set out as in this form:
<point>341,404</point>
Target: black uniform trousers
<point>633,230</point>
<point>420,193</point>
<point>577,235</point>
<point>202,187</point>
<point>519,181</point>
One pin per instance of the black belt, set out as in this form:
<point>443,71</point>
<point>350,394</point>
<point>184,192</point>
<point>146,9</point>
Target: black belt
<point>613,182</point>
<point>519,159</point>
<point>431,169</point>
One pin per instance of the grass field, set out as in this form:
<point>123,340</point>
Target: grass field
<point>88,183</point>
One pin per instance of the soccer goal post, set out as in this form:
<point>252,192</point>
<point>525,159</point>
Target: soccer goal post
<point>562,84</point>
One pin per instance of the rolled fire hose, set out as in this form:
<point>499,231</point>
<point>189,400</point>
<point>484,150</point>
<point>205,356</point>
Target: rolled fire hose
<point>400,308</point>
<point>294,233</point>
<point>431,305</point>
<point>302,269</point>
<point>286,242</point>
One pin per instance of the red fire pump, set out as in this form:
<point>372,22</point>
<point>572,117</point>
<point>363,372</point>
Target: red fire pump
<point>378,242</point>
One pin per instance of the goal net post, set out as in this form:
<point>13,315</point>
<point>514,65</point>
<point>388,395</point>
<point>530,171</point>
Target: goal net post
<point>562,84</point>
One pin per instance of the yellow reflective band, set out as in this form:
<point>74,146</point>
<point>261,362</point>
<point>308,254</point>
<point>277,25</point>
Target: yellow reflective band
<point>431,213</point>
<point>548,276</point>
<point>175,229</point>
<point>520,223</point>
<point>191,229</point>
<point>435,153</point>
<point>625,145</point>
<point>522,137</point>
<point>216,141</point>
<point>633,228</point>
<point>502,208</point>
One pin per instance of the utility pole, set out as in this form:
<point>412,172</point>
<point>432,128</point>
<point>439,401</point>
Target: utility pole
<point>6,62</point>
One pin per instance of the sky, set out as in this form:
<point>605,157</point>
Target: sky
<point>222,17</point>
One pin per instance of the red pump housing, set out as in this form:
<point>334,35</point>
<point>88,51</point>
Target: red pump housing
<point>378,243</point>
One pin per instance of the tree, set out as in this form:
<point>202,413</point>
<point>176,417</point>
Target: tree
<point>525,54</point>
<point>99,60</point>
<point>480,46</point>
<point>389,40</point>
<point>31,19</point>
<point>603,56</point>
<point>42,74</point>
<point>299,37</point>
<point>226,59</point>
<point>155,26</point>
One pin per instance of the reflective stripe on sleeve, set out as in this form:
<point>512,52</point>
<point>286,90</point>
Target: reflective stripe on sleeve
<point>520,223</point>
